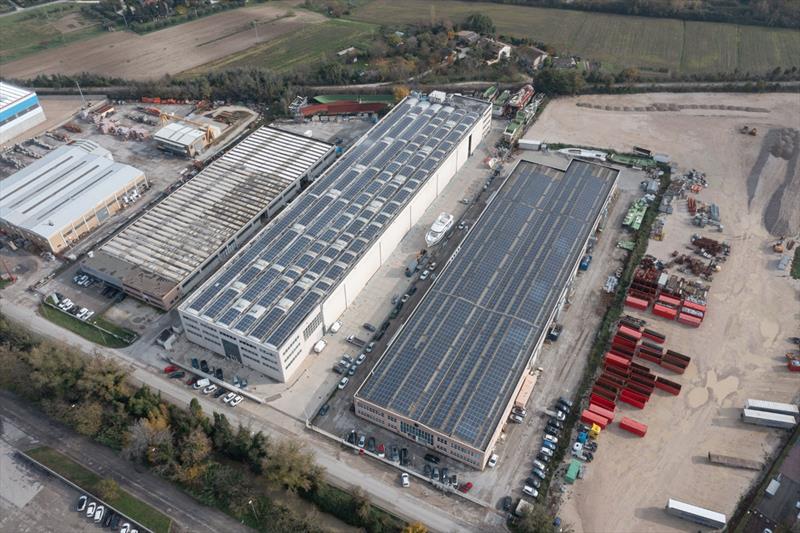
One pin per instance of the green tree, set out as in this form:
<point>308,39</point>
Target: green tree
<point>555,81</point>
<point>87,418</point>
<point>289,465</point>
<point>221,432</point>
<point>533,520</point>
<point>194,449</point>
<point>362,507</point>
<point>480,23</point>
<point>416,527</point>
<point>108,489</point>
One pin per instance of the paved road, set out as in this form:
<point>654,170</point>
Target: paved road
<point>187,514</point>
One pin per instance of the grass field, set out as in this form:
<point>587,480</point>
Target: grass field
<point>305,46</point>
<point>618,41</point>
<point>29,32</point>
<point>133,507</point>
<point>85,330</point>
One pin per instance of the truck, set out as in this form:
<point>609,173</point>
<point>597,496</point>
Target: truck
<point>355,341</point>
<point>200,383</point>
<point>763,418</point>
<point>696,514</point>
<point>412,267</point>
<point>772,407</point>
<point>585,262</point>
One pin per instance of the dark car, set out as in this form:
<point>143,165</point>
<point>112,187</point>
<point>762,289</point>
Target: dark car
<point>115,521</point>
<point>395,454</point>
<point>565,402</point>
<point>589,456</point>
<point>538,472</point>
<point>412,289</point>
<point>591,446</point>
<point>177,375</point>
<point>435,474</point>
<point>533,482</point>
<point>506,502</point>
<point>555,422</point>
<point>324,410</point>
<point>218,374</point>
<point>371,444</point>
<point>220,392</point>
<point>543,458</point>
<point>445,476</point>
<point>552,430</point>
<point>352,437</point>
<point>204,366</point>
<point>369,327</point>
<point>427,470</point>
<point>195,363</point>
<point>432,458</point>
<point>403,456</point>
<point>109,517</point>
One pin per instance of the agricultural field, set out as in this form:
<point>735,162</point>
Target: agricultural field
<point>306,46</point>
<point>29,32</point>
<point>618,41</point>
<point>168,51</point>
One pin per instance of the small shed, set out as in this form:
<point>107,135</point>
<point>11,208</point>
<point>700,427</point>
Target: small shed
<point>573,471</point>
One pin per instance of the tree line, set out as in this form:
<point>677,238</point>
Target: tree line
<point>222,465</point>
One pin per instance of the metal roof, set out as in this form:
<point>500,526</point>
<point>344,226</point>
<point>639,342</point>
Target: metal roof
<point>455,364</point>
<point>10,94</point>
<point>54,191</point>
<point>180,233</point>
<point>293,264</point>
<point>180,134</point>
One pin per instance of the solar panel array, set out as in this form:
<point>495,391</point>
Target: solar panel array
<point>456,362</point>
<point>271,286</point>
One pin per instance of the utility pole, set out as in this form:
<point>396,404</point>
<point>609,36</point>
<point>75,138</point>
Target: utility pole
<point>83,100</point>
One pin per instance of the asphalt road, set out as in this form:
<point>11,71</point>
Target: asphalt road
<point>186,513</point>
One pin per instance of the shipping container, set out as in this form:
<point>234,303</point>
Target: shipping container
<point>623,350</point>
<point>654,335</point>
<point>602,411</point>
<point>630,393</point>
<point>696,514</point>
<point>671,300</point>
<point>605,393</point>
<point>616,360</point>
<point>629,332</point>
<point>632,401</point>
<point>668,386</point>
<point>772,407</point>
<point>692,305</point>
<point>636,303</point>
<point>612,386</point>
<point>649,344</point>
<point>672,367</point>
<point>621,340</point>
<point>689,320</point>
<point>602,401</point>
<point>588,417</point>
<point>665,312</point>
<point>763,418</point>
<point>649,357</point>
<point>644,389</point>
<point>637,428</point>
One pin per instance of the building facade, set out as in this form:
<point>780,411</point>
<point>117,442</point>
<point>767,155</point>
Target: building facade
<point>271,303</point>
<point>60,198</point>
<point>19,111</point>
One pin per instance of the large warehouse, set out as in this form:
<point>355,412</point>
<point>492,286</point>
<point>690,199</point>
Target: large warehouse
<point>269,304</point>
<point>19,111</point>
<point>167,251</point>
<point>449,378</point>
<point>59,198</point>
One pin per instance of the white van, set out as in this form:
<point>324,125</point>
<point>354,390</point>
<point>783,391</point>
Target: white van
<point>336,326</point>
<point>319,346</point>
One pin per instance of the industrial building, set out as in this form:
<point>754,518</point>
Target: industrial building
<point>19,111</point>
<point>61,197</point>
<point>451,375</point>
<point>170,249</point>
<point>183,139</point>
<point>270,303</point>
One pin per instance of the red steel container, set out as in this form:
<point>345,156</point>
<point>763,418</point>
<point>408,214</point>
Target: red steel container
<point>629,332</point>
<point>671,300</point>
<point>636,395</point>
<point>602,411</point>
<point>696,307</point>
<point>632,401</point>
<point>673,368</point>
<point>636,303</point>
<point>588,417</point>
<point>690,320</point>
<point>650,345</point>
<point>598,390</point>
<point>654,336</point>
<point>620,353</point>
<point>641,388</point>
<point>668,386</point>
<point>665,312</point>
<point>648,357</point>
<point>624,350</point>
<point>641,368</point>
<point>602,401</point>
<point>616,360</point>
<point>624,341</point>
<point>637,428</point>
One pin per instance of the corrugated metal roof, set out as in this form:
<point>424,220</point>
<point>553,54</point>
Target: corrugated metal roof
<point>10,94</point>
<point>177,133</point>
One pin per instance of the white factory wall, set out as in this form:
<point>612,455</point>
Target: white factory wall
<point>21,124</point>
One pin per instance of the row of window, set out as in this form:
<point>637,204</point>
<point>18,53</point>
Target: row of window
<point>416,432</point>
<point>312,326</point>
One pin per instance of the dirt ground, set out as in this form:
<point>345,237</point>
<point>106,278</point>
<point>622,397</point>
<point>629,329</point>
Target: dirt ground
<point>168,51</point>
<point>737,353</point>
<point>57,110</point>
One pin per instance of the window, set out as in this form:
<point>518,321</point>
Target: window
<point>312,326</point>
<point>416,432</point>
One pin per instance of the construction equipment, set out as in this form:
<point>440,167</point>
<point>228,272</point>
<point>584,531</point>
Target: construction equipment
<point>778,246</point>
<point>747,130</point>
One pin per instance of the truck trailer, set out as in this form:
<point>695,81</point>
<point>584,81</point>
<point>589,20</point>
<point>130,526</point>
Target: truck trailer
<point>696,514</point>
<point>763,418</point>
<point>773,407</point>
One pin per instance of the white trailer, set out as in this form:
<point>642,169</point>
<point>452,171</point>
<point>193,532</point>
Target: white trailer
<point>772,407</point>
<point>763,418</point>
<point>696,514</point>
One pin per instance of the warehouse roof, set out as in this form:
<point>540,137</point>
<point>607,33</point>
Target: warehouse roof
<point>272,285</point>
<point>54,191</point>
<point>180,233</point>
<point>180,134</point>
<point>9,94</point>
<point>456,362</point>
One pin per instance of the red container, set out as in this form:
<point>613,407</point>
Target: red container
<point>642,388</point>
<point>690,320</point>
<point>616,360</point>
<point>624,341</point>
<point>665,312</point>
<point>620,353</point>
<point>637,428</point>
<point>671,300</point>
<point>622,373</point>
<point>652,358</point>
<point>696,307</point>
<point>602,411</point>
<point>632,401</point>
<point>629,332</point>
<point>668,386</point>
<point>641,368</point>
<point>602,401</point>
<point>636,303</point>
<point>673,368</point>
<point>624,350</point>
<point>588,417</point>
<point>654,336</point>
<point>650,351</point>
<point>612,386</point>
<point>636,395</point>
<point>604,393</point>
<point>647,381</point>
<point>650,345</point>
<point>672,354</point>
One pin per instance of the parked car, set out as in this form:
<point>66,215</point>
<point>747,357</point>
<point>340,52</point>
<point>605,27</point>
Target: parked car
<point>336,326</point>
<point>361,358</point>
<point>115,521</point>
<point>236,401</point>
<point>547,451</point>
<point>429,457</point>
<point>551,438</point>
<point>566,402</point>
<point>98,513</point>
<point>552,431</point>
<point>530,491</point>
<point>81,505</point>
<point>589,456</point>
<point>427,470</point>
<point>405,298</point>
<point>218,374</point>
<point>109,517</point>
<point>561,416</point>
<point>519,411</point>
<point>542,457</point>
<point>228,397</point>
<point>424,275</point>
<point>539,464</point>
<point>516,419</point>
<point>505,503</point>
<point>324,410</point>
<point>347,359</point>
<point>219,393</point>
<point>352,370</point>
<point>381,450</point>
<point>204,366</point>
<point>343,382</point>
<point>590,445</point>
<point>404,479</point>
<point>549,445</point>
<point>403,456</point>
<point>534,482</point>
<point>556,422</point>
<point>435,473</point>
<point>539,473</point>
<point>339,369</point>
<point>395,454</point>
<point>362,441</point>
<point>371,444</point>
<point>211,388</point>
<point>370,347</point>
<point>492,461</point>
<point>465,488</point>
<point>90,509</point>
<point>195,363</point>
<point>445,476</point>
<point>432,266</point>
<point>369,327</point>
<point>126,528</point>
<point>177,375</point>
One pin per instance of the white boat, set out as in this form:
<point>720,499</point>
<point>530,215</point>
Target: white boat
<point>439,228</point>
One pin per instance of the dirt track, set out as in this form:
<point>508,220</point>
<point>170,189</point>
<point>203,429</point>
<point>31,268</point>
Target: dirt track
<point>169,51</point>
<point>737,352</point>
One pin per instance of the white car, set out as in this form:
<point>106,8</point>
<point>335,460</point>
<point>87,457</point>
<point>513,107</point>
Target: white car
<point>361,358</point>
<point>88,315</point>
<point>424,275</point>
<point>126,528</point>
<point>228,397</point>
<point>211,388</point>
<point>404,479</point>
<point>547,451</point>
<point>98,513</point>
<point>540,465</point>
<point>551,438</point>
<point>530,491</point>
<point>90,509</point>
<point>236,401</point>
<point>492,461</point>
<point>336,326</point>
<point>343,383</point>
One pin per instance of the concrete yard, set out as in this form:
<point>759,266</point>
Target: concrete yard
<point>737,353</point>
